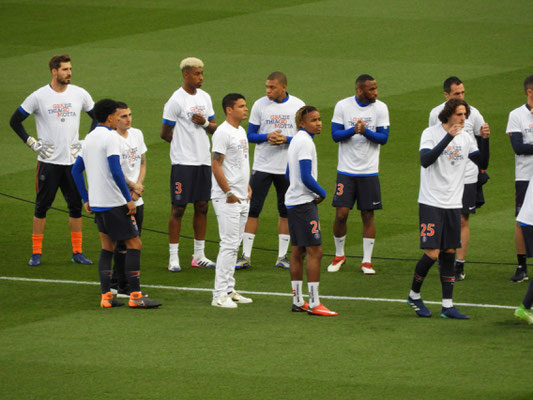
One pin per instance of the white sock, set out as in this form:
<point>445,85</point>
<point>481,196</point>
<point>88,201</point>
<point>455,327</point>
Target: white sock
<point>199,246</point>
<point>247,244</point>
<point>313,294</point>
<point>447,303</point>
<point>297,298</point>
<point>173,250</point>
<point>283,245</point>
<point>339,245</point>
<point>368,246</point>
<point>414,295</point>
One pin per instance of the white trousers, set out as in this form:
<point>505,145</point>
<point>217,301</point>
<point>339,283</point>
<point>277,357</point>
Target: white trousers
<point>231,220</point>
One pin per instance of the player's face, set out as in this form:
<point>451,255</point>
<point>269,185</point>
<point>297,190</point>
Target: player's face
<point>63,73</point>
<point>312,123</point>
<point>368,91</point>
<point>194,77</point>
<point>239,111</point>
<point>275,90</point>
<point>459,116</point>
<point>456,92</point>
<point>112,119</point>
<point>124,119</point>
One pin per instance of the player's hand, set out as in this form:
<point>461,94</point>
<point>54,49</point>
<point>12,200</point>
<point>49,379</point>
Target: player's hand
<point>134,196</point>
<point>359,127</point>
<point>43,150</point>
<point>233,199</point>
<point>276,138</point>
<point>132,208</point>
<point>319,199</point>
<point>88,208</point>
<point>75,149</point>
<point>249,194</point>
<point>198,119</point>
<point>138,188</point>
<point>485,131</point>
<point>455,129</point>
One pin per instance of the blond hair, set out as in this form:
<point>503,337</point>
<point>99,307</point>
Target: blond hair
<point>191,62</point>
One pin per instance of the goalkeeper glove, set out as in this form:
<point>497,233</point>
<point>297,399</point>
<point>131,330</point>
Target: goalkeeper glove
<point>75,149</point>
<point>43,150</point>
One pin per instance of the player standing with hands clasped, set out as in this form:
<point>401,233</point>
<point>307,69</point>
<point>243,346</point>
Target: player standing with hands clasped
<point>360,125</point>
<point>231,195</point>
<point>303,195</point>
<point>444,153</point>
<point>271,127</point>
<point>187,118</point>
<point>57,109</point>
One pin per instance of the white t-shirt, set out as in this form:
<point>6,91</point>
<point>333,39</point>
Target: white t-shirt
<point>233,143</point>
<point>57,118</point>
<point>99,144</point>
<point>359,156</point>
<point>521,120</point>
<point>131,150</point>
<point>472,126</point>
<point>442,183</point>
<point>190,143</point>
<point>525,215</point>
<point>301,147</point>
<point>271,116</point>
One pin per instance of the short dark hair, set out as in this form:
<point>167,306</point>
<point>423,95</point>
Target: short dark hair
<point>528,83</point>
<point>230,99</point>
<point>362,79</point>
<point>55,61</point>
<point>302,112</point>
<point>452,80</point>
<point>122,105</point>
<point>449,108</point>
<point>278,76</point>
<point>103,109</point>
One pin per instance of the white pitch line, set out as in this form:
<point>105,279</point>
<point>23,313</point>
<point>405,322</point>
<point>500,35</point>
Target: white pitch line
<point>348,298</point>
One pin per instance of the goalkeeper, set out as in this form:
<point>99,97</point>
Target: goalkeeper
<point>56,108</point>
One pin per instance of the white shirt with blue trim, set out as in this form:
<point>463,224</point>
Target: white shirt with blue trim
<point>442,183</point>
<point>190,143</point>
<point>359,156</point>
<point>270,116</point>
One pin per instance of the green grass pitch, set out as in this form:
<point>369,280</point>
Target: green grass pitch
<point>56,343</point>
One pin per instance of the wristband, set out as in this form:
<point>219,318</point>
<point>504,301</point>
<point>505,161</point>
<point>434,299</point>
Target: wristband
<point>206,123</point>
<point>229,193</point>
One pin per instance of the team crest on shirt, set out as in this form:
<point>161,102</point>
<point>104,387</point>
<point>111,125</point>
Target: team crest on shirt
<point>200,110</point>
<point>280,121</point>
<point>453,153</point>
<point>63,110</point>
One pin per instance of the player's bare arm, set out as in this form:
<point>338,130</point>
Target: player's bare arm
<point>209,126</point>
<point>217,159</point>
<point>166,132</point>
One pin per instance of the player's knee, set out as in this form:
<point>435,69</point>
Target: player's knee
<point>40,211</point>
<point>367,216</point>
<point>201,207</point>
<point>177,212</point>
<point>341,217</point>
